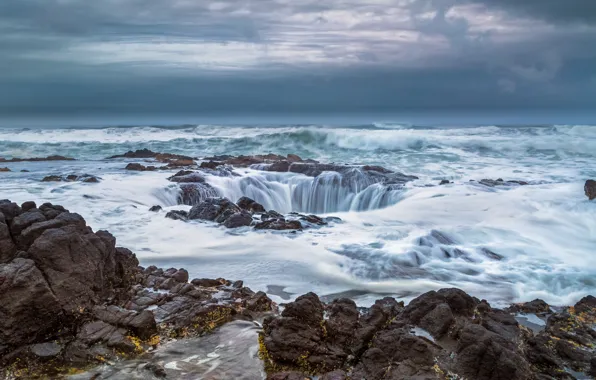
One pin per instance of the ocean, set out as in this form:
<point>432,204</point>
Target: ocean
<point>544,234</point>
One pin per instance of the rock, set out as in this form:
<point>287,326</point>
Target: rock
<point>590,189</point>
<point>5,169</point>
<point>445,182</point>
<point>279,224</point>
<point>192,194</point>
<point>239,220</point>
<point>141,153</point>
<point>501,182</point>
<point>46,350</point>
<point>139,167</point>
<point>86,178</point>
<point>288,376</point>
<point>177,215</point>
<point>26,206</point>
<point>156,370</point>
<point>586,305</point>
<point>210,165</point>
<point>38,159</point>
<point>214,209</point>
<point>206,283</point>
<point>25,220</point>
<point>293,158</point>
<point>155,208</point>
<point>52,178</point>
<point>250,205</point>
<point>537,306</point>
<point>30,310</point>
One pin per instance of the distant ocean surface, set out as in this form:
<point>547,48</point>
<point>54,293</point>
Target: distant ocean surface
<point>545,232</point>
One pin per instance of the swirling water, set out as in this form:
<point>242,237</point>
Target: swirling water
<point>399,241</point>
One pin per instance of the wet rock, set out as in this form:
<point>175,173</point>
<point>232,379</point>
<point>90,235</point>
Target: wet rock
<point>140,153</point>
<point>240,219</point>
<point>586,305</point>
<point>293,158</point>
<point>210,165</point>
<point>46,350</point>
<point>86,178</point>
<point>38,159</point>
<point>139,167</point>
<point>156,370</point>
<point>192,194</point>
<point>155,208</point>
<point>537,306</point>
<point>26,206</point>
<point>5,169</point>
<point>501,182</point>
<point>288,376</point>
<point>279,224</point>
<point>444,182</point>
<point>206,283</point>
<point>214,209</point>
<point>590,189</point>
<point>177,215</point>
<point>250,205</point>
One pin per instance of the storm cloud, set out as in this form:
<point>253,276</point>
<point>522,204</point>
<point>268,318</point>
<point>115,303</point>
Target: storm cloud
<point>176,55</point>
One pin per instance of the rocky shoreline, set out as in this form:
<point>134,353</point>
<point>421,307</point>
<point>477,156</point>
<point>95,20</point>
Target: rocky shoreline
<point>71,300</point>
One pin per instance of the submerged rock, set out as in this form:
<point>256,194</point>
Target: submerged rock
<point>590,189</point>
<point>501,182</point>
<point>71,178</point>
<point>139,167</point>
<point>5,170</point>
<point>38,159</point>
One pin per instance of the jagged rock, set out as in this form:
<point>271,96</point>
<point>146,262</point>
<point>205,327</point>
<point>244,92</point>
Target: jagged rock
<point>537,306</point>
<point>71,298</point>
<point>590,189</point>
<point>140,153</point>
<point>193,194</point>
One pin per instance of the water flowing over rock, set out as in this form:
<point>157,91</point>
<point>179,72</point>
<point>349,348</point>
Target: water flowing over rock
<point>71,178</point>
<point>590,189</point>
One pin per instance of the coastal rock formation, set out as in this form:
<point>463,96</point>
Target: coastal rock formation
<point>71,299</point>
<point>38,159</point>
<point>445,334</point>
<point>590,189</point>
<point>501,182</point>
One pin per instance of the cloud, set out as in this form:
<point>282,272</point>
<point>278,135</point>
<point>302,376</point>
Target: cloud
<point>422,48</point>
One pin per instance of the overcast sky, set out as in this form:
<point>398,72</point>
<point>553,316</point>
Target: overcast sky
<point>297,55</point>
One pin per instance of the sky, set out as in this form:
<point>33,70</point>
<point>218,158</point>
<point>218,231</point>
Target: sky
<point>233,56</point>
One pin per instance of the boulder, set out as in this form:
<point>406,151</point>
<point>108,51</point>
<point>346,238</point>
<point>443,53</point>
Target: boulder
<point>140,168</point>
<point>214,209</point>
<point>590,189</point>
<point>250,205</point>
<point>155,208</point>
<point>5,169</point>
<point>240,219</point>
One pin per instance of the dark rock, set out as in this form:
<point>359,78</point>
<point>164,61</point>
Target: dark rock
<point>537,306</point>
<point>288,376</point>
<point>293,158</point>
<point>250,205</point>
<point>445,182</point>
<point>177,215</point>
<point>26,219</point>
<point>239,220</point>
<point>156,370</point>
<point>141,153</point>
<point>279,224</point>
<point>205,282</point>
<point>500,182</point>
<point>214,209</point>
<point>193,194</point>
<point>139,167</point>
<point>38,159</point>
<point>26,206</point>
<point>590,189</point>
<point>52,178</point>
<point>155,208</point>
<point>210,165</point>
<point>5,169</point>
<point>585,305</point>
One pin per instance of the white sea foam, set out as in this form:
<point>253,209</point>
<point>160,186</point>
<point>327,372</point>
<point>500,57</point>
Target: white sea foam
<point>545,232</point>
